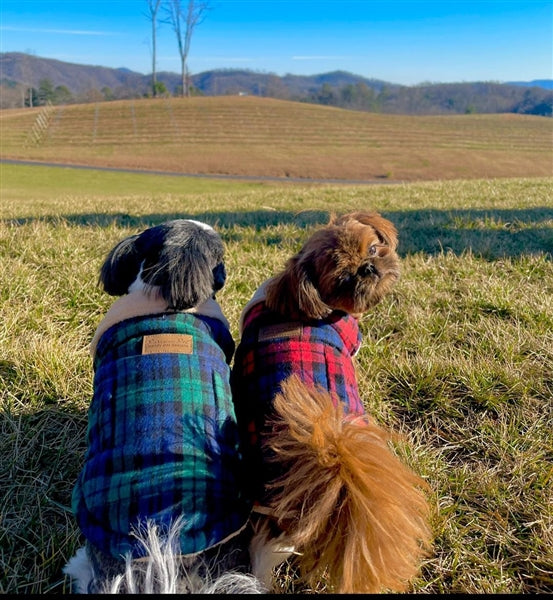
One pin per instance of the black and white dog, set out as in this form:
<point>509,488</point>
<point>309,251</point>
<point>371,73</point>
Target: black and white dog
<point>160,499</point>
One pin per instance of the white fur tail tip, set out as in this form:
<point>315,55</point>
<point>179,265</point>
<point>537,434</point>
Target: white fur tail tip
<point>163,570</point>
<point>79,569</point>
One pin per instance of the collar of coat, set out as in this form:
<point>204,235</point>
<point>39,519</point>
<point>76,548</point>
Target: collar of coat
<point>138,304</point>
<point>258,316</point>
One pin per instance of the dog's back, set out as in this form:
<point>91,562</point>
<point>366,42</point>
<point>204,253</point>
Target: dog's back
<point>329,485</point>
<point>162,481</point>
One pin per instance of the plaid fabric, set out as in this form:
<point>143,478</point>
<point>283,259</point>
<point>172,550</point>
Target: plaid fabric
<point>320,352</point>
<point>162,435</point>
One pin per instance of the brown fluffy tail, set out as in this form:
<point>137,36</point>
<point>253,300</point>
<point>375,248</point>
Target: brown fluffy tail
<point>353,511</point>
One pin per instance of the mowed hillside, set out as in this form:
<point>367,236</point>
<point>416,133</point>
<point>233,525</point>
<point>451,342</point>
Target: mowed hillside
<point>267,137</point>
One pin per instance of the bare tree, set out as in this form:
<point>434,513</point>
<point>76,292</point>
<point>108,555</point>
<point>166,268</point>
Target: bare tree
<point>153,6</point>
<point>183,20</point>
<point>27,78</point>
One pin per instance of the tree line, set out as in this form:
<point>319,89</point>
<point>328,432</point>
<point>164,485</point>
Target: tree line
<point>461,98</point>
<point>456,98</point>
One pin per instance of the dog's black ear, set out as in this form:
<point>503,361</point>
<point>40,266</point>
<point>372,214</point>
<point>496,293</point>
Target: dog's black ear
<point>219,276</point>
<point>194,269</point>
<point>191,282</point>
<point>121,267</point>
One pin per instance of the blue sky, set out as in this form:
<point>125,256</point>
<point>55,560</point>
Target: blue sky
<point>401,41</point>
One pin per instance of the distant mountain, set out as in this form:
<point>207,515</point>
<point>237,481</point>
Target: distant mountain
<point>62,82</point>
<point>232,81</point>
<point>31,70</point>
<point>546,84</point>
<point>16,67</point>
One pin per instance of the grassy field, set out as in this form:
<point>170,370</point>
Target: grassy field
<point>267,137</point>
<point>459,359</point>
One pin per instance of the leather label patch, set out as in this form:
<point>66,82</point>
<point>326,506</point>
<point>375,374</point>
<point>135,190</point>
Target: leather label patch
<point>167,343</point>
<point>288,330</point>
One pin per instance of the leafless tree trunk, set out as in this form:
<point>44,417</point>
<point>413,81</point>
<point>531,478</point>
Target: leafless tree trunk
<point>183,20</point>
<point>27,78</point>
<point>153,6</point>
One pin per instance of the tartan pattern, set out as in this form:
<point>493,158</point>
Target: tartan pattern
<point>162,438</point>
<point>320,352</point>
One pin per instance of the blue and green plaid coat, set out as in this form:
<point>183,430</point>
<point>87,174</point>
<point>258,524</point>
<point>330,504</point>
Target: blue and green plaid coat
<point>162,435</point>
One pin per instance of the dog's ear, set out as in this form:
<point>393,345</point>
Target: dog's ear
<point>219,276</point>
<point>385,229</point>
<point>190,282</point>
<point>293,294</point>
<point>192,271</point>
<point>121,267</point>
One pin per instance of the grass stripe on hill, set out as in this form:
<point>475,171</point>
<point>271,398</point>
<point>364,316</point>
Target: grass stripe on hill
<point>264,136</point>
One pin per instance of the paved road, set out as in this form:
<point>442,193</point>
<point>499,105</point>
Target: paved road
<point>10,161</point>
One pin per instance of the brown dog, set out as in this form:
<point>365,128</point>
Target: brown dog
<point>327,485</point>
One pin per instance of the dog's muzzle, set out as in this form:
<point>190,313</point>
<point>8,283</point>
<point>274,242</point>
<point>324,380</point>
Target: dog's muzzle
<point>367,270</point>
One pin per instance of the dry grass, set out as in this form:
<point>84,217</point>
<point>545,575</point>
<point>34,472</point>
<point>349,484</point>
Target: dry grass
<point>267,137</point>
<point>459,358</point>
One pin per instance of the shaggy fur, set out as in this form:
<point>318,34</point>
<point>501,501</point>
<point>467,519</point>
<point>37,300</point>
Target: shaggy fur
<point>173,267</point>
<point>181,259</point>
<point>349,506</point>
<point>355,515</point>
<point>349,265</point>
<point>162,571</point>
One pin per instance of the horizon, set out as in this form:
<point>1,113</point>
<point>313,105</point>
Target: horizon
<point>404,42</point>
<point>245,69</point>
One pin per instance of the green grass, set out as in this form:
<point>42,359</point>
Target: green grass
<point>459,358</point>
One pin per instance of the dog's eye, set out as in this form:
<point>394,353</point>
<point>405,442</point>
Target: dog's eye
<point>376,250</point>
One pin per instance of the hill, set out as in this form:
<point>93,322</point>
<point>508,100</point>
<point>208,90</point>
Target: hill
<point>30,80</point>
<point>265,137</point>
<point>546,84</point>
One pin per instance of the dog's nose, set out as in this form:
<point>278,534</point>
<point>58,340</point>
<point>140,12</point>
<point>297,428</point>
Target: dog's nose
<point>367,269</point>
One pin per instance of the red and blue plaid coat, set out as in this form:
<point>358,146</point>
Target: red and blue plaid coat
<point>162,435</point>
<point>270,350</point>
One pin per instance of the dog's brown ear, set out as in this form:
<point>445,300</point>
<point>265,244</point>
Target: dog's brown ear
<point>293,294</point>
<point>384,228</point>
